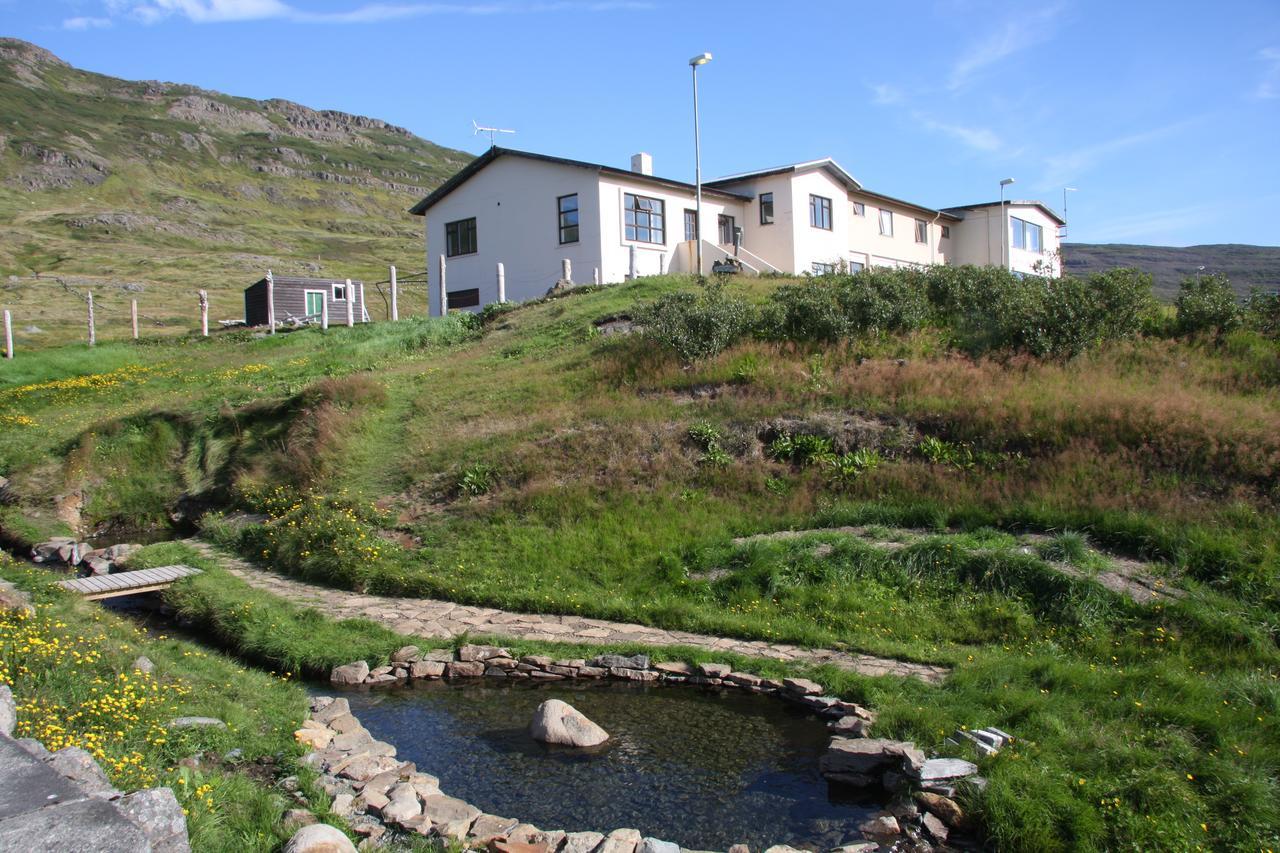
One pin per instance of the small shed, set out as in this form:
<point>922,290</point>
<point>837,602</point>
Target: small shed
<point>300,299</point>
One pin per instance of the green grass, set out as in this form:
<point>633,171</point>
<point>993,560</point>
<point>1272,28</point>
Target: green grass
<point>71,669</point>
<point>597,501</point>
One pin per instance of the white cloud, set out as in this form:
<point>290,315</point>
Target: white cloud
<point>884,93</point>
<point>977,138</point>
<point>1017,34</point>
<point>86,23</point>
<point>1067,167</point>
<point>1269,86</point>
<point>221,11</point>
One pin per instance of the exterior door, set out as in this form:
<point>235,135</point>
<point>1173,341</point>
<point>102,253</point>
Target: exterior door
<point>726,230</point>
<point>315,302</point>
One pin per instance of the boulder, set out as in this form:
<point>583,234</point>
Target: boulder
<point>313,738</point>
<point>464,669</point>
<point>782,848</point>
<point>581,842</point>
<point>295,819</point>
<point>743,679</point>
<point>351,673</point>
<point>653,845</point>
<point>343,805</point>
<point>674,668</point>
<point>449,816</point>
<point>802,686</point>
<point>620,841</point>
<point>143,664</point>
<point>944,808</point>
<point>78,765</point>
<point>621,661</point>
<point>869,757</point>
<point>487,827</point>
<point>851,726</point>
<point>506,845</point>
<point>471,654</point>
<point>561,723</point>
<point>937,829</point>
<point>426,669</point>
<point>98,565</point>
<point>883,826</point>
<point>330,710</point>
<point>196,723</point>
<point>943,769</point>
<point>714,670</point>
<point>402,807</point>
<point>405,654</point>
<point>8,711</point>
<point>159,814</point>
<point>120,553</point>
<point>319,838</point>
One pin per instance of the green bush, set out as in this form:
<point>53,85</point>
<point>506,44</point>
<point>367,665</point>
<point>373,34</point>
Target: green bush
<point>476,480</point>
<point>844,470</point>
<point>697,325</point>
<point>1262,313</point>
<point>801,449</point>
<point>834,307</point>
<point>1207,305</point>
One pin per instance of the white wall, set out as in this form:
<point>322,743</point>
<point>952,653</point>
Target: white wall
<point>615,249</point>
<point>774,243</point>
<point>866,241</point>
<point>817,245</point>
<point>514,202</point>
<point>979,239</point>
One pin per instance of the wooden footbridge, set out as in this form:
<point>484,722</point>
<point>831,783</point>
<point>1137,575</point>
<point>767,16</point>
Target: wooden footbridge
<point>95,587</point>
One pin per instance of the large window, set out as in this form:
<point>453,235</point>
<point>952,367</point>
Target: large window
<point>922,231</point>
<point>460,237</point>
<point>820,212</point>
<point>819,268</point>
<point>886,223</point>
<point>690,224</point>
<point>726,224</point>
<point>644,219</point>
<point>1027,235</point>
<point>567,205</point>
<point>766,208</point>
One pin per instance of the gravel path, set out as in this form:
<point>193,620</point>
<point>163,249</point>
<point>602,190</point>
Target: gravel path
<point>426,617</point>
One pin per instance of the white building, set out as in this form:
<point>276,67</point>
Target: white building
<point>531,213</point>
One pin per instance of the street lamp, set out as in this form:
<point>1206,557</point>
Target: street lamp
<point>1005,261</point>
<point>700,59</point>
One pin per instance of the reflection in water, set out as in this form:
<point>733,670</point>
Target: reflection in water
<point>705,769</point>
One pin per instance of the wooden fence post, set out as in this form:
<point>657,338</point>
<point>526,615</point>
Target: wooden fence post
<point>133,317</point>
<point>566,270</point>
<point>204,313</point>
<point>395,305</point>
<point>324,311</point>
<point>93,333</point>
<point>632,276</point>
<point>271,302</point>
<point>502,283</point>
<point>444,290</point>
<point>351,305</point>
<point>595,276</point>
<point>8,335</point>
<point>662,264</point>
<point>364,309</point>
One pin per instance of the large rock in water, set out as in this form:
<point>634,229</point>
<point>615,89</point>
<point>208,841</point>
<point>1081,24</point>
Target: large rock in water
<point>559,722</point>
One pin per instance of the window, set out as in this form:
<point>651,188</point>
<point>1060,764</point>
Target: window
<point>822,269</point>
<point>886,223</point>
<point>922,231</point>
<point>643,219</point>
<point>464,298</point>
<point>766,208</point>
<point>339,293</point>
<point>690,224</point>
<point>946,232</point>
<point>1027,235</point>
<point>567,205</point>
<point>460,237</point>
<point>726,229</point>
<point>820,212</point>
<point>859,209</point>
<point>856,266</point>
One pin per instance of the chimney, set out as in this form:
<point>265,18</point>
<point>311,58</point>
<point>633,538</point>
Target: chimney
<point>642,163</point>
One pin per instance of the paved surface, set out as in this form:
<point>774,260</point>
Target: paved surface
<point>424,617</point>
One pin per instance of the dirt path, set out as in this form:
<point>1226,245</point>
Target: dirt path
<point>424,617</point>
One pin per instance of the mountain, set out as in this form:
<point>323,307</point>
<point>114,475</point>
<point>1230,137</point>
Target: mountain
<point>152,190</point>
<point>1246,266</point>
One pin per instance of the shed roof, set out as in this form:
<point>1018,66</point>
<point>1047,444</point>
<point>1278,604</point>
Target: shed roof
<point>307,282</point>
<point>461,177</point>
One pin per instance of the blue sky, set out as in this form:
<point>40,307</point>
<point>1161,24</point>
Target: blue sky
<point>1165,116</point>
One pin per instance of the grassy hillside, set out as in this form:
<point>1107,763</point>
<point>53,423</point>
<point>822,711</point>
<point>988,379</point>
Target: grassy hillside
<point>153,190</point>
<point>998,513</point>
<point>1246,266</point>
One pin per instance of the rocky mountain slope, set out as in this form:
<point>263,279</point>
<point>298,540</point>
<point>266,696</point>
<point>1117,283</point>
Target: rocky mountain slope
<point>1246,266</point>
<point>152,190</point>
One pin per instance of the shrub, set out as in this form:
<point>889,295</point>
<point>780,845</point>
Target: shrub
<point>830,308</point>
<point>801,449</point>
<point>1206,305</point>
<point>476,480</point>
<point>844,470</point>
<point>697,325</point>
<point>704,435</point>
<point>1262,313</point>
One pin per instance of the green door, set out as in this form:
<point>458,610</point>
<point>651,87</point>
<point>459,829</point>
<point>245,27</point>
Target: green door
<point>315,302</point>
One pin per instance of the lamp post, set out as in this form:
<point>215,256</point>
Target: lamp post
<point>1005,260</point>
<point>700,59</point>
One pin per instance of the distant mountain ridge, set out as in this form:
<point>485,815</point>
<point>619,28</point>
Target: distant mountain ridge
<point>165,187</point>
<point>1246,266</point>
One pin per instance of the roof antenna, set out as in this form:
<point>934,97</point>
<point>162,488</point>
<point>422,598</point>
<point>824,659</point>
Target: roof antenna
<point>489,130</point>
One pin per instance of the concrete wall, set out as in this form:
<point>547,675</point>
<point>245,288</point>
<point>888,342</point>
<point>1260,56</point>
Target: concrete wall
<point>514,202</point>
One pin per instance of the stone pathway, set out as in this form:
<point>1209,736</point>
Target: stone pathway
<point>424,617</point>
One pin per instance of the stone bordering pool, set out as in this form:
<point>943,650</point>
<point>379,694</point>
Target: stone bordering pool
<point>376,792</point>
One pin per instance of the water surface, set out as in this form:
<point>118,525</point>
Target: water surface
<point>703,768</point>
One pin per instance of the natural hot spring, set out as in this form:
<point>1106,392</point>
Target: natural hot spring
<point>701,768</point>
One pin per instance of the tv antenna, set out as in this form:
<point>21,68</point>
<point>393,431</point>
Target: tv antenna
<point>492,131</point>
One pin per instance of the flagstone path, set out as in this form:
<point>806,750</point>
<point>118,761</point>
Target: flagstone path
<point>424,617</point>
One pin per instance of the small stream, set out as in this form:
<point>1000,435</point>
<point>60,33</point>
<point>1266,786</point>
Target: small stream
<point>705,769</point>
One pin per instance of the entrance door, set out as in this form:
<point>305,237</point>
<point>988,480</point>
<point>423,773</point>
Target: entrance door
<point>315,302</point>
<point>726,230</point>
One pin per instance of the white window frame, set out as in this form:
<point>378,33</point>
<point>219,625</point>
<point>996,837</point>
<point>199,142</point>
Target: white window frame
<point>323,297</point>
<point>339,288</point>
